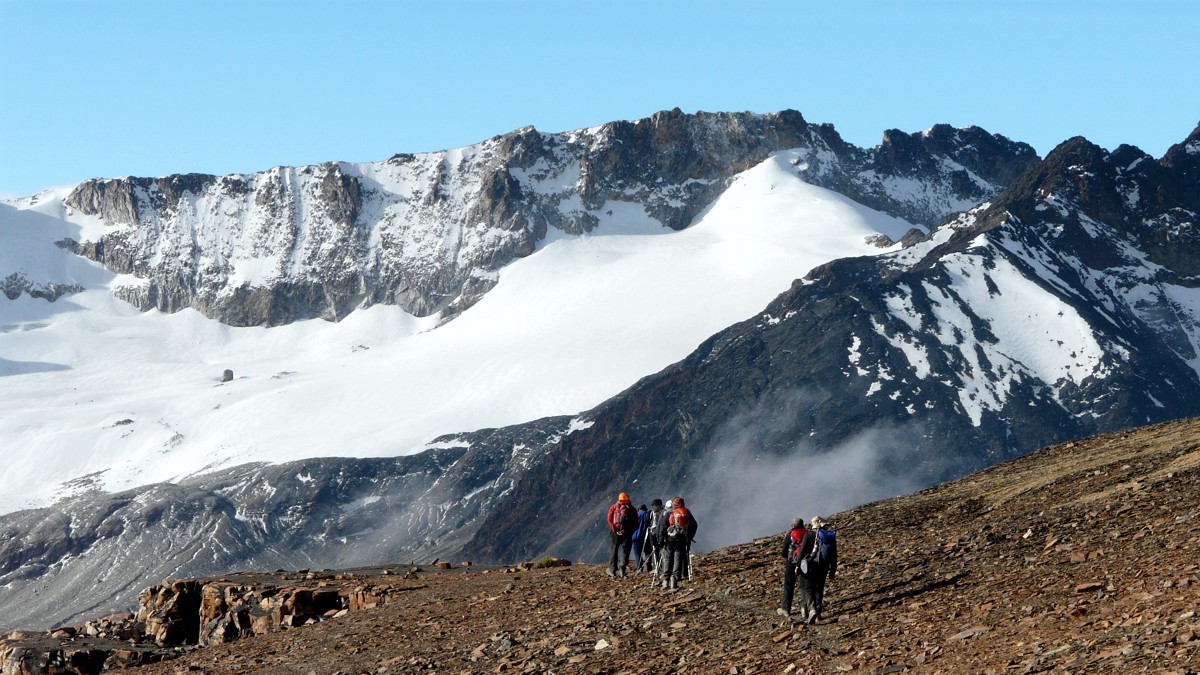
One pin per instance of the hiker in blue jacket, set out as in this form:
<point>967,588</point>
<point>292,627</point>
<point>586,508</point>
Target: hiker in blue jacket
<point>639,537</point>
<point>819,547</point>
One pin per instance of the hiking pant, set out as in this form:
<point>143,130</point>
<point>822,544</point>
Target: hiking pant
<point>637,552</point>
<point>789,586</point>
<point>621,544</point>
<point>676,559</point>
<point>817,587</point>
<point>813,587</point>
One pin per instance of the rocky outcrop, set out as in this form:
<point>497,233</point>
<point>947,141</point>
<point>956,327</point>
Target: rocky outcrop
<point>180,614</point>
<point>189,612</point>
<point>428,232</point>
<point>17,284</point>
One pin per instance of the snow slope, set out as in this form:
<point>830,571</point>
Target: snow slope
<point>98,395</point>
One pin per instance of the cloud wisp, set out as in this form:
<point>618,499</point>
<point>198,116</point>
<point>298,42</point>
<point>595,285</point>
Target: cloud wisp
<point>755,482</point>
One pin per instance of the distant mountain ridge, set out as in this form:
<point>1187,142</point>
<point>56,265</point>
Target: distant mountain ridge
<point>1058,306</point>
<point>428,232</point>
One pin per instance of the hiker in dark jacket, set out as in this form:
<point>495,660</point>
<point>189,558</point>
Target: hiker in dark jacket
<point>639,536</point>
<point>681,530</point>
<point>792,542</point>
<point>656,528</point>
<point>622,521</point>
<point>823,539</point>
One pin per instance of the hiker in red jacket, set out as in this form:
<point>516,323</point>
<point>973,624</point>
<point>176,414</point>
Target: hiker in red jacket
<point>622,521</point>
<point>791,557</point>
<point>681,530</point>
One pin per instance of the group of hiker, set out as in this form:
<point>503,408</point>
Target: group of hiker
<point>660,539</point>
<point>809,557</point>
<point>665,538</point>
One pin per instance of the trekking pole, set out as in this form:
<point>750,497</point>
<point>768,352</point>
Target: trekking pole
<point>689,559</point>
<point>655,564</point>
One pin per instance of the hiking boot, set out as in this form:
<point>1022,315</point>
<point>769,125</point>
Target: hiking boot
<point>812,618</point>
<point>621,573</point>
<point>666,584</point>
<point>781,612</point>
<point>674,582</point>
<point>611,573</point>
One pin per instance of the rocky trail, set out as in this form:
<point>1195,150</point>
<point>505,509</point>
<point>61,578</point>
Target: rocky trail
<point>1082,557</point>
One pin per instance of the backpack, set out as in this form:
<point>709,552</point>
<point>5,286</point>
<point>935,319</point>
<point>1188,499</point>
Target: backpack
<point>823,547</point>
<point>655,523</point>
<point>621,516</point>
<point>678,524</point>
<point>795,546</point>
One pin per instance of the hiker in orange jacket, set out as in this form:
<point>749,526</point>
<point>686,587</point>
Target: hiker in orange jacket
<point>622,521</point>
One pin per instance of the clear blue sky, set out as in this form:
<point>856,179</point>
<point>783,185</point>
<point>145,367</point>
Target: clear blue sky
<point>151,87</point>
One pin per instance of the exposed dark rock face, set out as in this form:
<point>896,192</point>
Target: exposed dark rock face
<point>16,284</point>
<point>427,232</point>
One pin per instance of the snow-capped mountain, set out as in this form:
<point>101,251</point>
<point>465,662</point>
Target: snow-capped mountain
<point>429,232</point>
<point>576,321</point>
<point>1066,306</point>
<point>888,367</point>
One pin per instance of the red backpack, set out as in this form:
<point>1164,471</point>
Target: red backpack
<point>796,544</point>
<point>679,523</point>
<point>621,516</point>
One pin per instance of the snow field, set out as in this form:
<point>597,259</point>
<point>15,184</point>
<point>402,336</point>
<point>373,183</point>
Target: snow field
<point>563,330</point>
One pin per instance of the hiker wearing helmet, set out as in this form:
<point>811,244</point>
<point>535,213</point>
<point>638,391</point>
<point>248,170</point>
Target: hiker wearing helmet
<point>681,530</point>
<point>792,542</point>
<point>818,553</point>
<point>622,521</point>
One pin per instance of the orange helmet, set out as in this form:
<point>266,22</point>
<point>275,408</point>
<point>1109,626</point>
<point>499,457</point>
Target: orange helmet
<point>624,498</point>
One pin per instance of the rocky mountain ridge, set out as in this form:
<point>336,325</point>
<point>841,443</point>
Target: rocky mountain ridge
<point>1078,557</point>
<point>428,232</point>
<point>994,336</point>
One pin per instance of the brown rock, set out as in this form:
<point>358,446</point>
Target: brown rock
<point>969,633</point>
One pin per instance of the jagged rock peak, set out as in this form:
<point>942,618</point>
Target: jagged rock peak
<point>991,156</point>
<point>1185,157</point>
